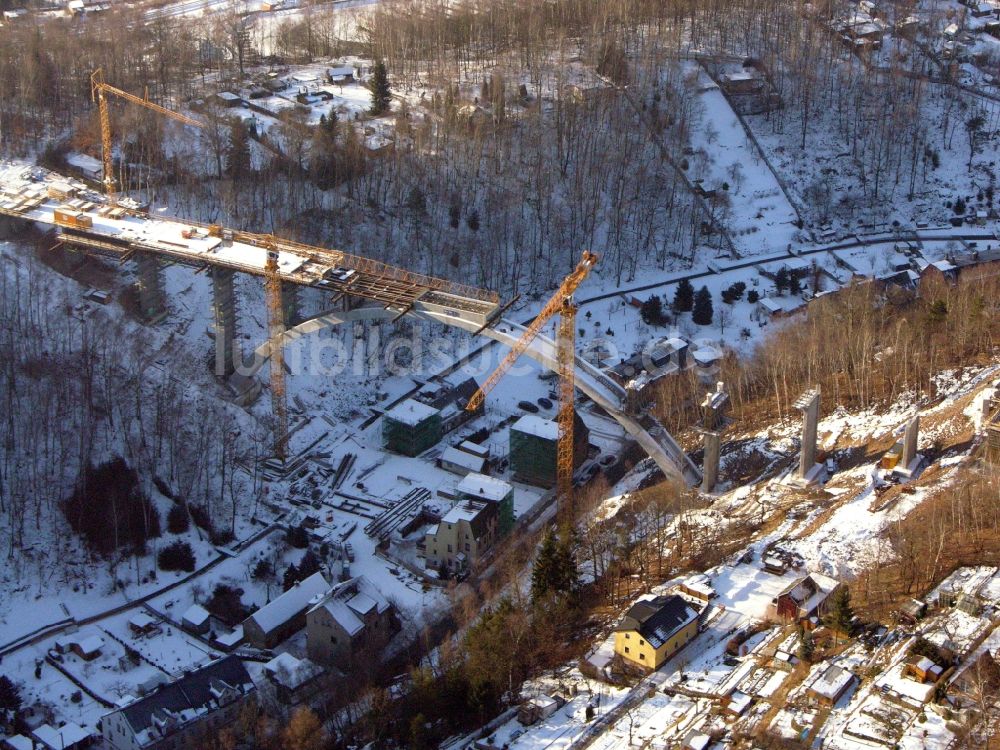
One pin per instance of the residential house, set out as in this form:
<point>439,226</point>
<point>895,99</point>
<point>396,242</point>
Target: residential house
<point>179,714</point>
<point>294,680</point>
<point>286,615</point>
<point>87,647</point>
<point>462,536</point>
<point>353,618</point>
<point>196,619</point>
<point>341,74</point>
<point>142,624</point>
<point>771,308</point>
<point>480,487</point>
<point>803,599</point>
<point>68,736</point>
<point>654,629</point>
<point>743,81</point>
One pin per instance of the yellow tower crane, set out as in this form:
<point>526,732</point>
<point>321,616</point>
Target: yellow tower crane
<point>561,303</point>
<point>276,330</point>
<point>99,91</point>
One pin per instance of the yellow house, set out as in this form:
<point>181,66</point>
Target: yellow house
<point>654,629</point>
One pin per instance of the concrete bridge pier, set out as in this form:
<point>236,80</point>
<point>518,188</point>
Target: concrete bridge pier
<point>710,467</point>
<point>152,296</point>
<point>227,350</point>
<point>713,422</point>
<point>808,404</point>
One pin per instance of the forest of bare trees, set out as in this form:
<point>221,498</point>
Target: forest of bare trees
<point>78,388</point>
<point>561,161</point>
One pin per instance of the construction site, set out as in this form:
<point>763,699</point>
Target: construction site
<point>353,461</point>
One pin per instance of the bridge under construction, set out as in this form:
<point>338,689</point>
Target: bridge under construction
<point>85,219</point>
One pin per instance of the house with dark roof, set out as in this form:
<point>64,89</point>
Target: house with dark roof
<point>179,714</point>
<point>654,629</point>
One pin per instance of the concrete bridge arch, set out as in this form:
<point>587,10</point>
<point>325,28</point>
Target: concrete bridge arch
<point>651,436</point>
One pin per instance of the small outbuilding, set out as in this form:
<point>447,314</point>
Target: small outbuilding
<point>196,619</point>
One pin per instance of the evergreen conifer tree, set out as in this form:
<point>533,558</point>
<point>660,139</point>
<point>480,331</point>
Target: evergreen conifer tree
<point>379,86</point>
<point>238,164</point>
<point>683,296</point>
<point>545,570</point>
<point>702,314</point>
<point>840,617</point>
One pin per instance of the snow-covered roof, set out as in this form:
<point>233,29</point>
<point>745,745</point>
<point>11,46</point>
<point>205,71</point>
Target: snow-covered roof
<point>744,74</point>
<point>467,510</point>
<point>231,638</point>
<point>480,485</point>
<point>707,355</point>
<point>924,664</point>
<point>292,602</point>
<point>531,424</point>
<point>58,738</point>
<point>195,615</point>
<point>228,96</point>
<point>411,412</point>
<point>91,644</point>
<point>467,461</point>
<point>739,702</point>
<point>349,602</point>
<point>543,701</point>
<point>84,162</point>
<point>341,70</point>
<point>290,672</point>
<point>832,682</point>
<point>474,448</point>
<point>142,621</point>
<point>20,742</point>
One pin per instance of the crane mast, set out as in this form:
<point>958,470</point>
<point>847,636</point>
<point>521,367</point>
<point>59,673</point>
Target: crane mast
<point>99,91</point>
<point>276,330</point>
<point>562,304</point>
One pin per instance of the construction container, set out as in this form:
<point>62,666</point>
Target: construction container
<point>411,427</point>
<point>75,219</point>
<point>60,191</point>
<point>892,457</point>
